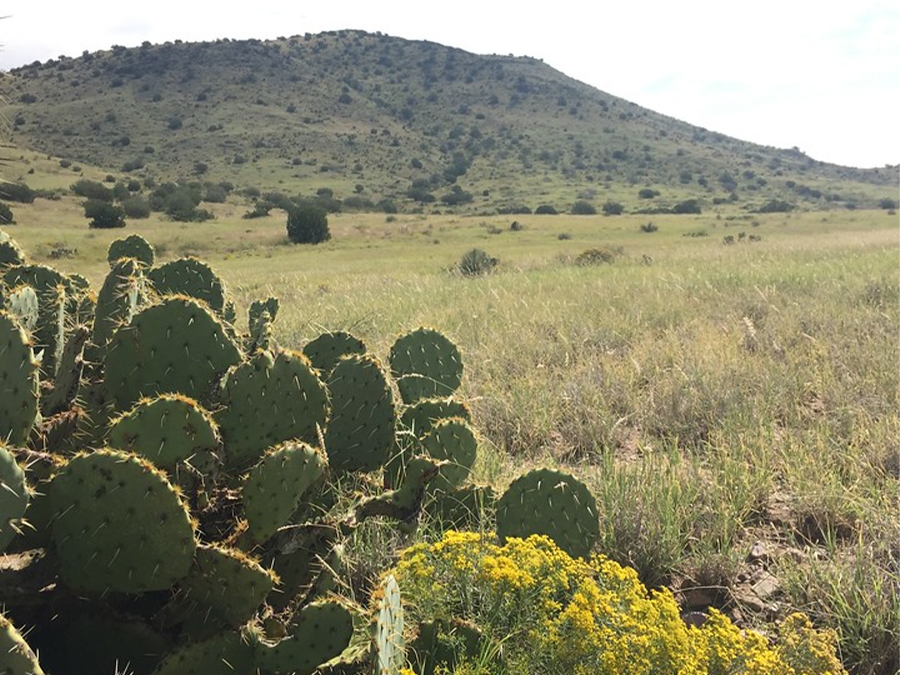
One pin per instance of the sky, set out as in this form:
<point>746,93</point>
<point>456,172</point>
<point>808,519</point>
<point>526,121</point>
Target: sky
<point>823,77</point>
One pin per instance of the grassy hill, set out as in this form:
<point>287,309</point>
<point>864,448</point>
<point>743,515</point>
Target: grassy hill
<point>375,117</point>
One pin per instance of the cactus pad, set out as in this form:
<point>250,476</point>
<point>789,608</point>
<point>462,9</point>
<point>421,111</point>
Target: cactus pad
<point>389,645</point>
<point>274,487</point>
<point>16,657</point>
<point>227,653</point>
<point>18,382</point>
<point>50,287</point>
<point>191,277</point>
<point>168,430</point>
<point>452,440</point>
<point>360,435</point>
<point>10,253</point>
<point>22,302</point>
<point>420,417</point>
<point>123,291</point>
<point>319,632</point>
<point>13,496</point>
<point>426,365</point>
<point>228,582</point>
<point>466,508</point>
<point>257,307</point>
<point>326,350</point>
<point>553,503</point>
<point>132,246</point>
<point>174,346</point>
<point>270,399</point>
<point>119,525</point>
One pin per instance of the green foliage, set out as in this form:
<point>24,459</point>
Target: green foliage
<point>307,224</point>
<point>545,210</point>
<point>104,215</point>
<point>776,206</point>
<point>595,256</point>
<point>613,208</point>
<point>91,189</point>
<point>6,215</point>
<point>648,193</point>
<point>583,208</point>
<point>476,263</point>
<point>16,192</point>
<point>649,227</point>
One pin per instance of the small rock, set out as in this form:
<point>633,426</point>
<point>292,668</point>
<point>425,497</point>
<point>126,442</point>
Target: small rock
<point>759,552</point>
<point>766,587</point>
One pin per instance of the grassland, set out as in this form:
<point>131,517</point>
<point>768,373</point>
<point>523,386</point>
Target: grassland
<point>733,407</point>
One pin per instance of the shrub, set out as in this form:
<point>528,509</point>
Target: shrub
<point>613,209</point>
<point>386,206</point>
<point>6,215</point>
<point>556,614</point>
<point>649,227</point>
<point>174,123</point>
<point>687,206</point>
<point>260,210</point>
<point>887,204</point>
<point>648,193</point>
<point>16,192</point>
<point>91,189</point>
<point>475,263</point>
<point>307,224</point>
<point>136,207</point>
<point>776,206</point>
<point>545,210</point>
<point>595,256</point>
<point>103,215</point>
<point>583,208</point>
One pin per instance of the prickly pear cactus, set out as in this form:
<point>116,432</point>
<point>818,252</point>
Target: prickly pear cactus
<point>469,507</point>
<point>553,503</point>
<point>420,417</point>
<point>176,345</point>
<point>16,657</point>
<point>326,350</point>
<point>51,288</point>
<point>275,486</point>
<point>227,583</point>
<point>119,524</point>
<point>123,292</point>
<point>10,253</point>
<point>18,382</point>
<point>319,632</point>
<point>226,653</point>
<point>426,364</point>
<point>454,441</point>
<point>133,246</point>
<point>168,430</point>
<point>191,277</point>
<point>13,497</point>
<point>360,435</point>
<point>22,302</point>
<point>389,644</point>
<point>267,400</point>
<point>257,308</point>
<point>67,382</point>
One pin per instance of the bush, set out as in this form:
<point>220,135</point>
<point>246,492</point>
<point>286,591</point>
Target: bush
<point>887,204</point>
<point>545,210</point>
<point>776,206</point>
<point>90,189</point>
<point>687,206</point>
<point>555,614</point>
<point>583,208</point>
<point>613,209</point>
<point>648,193</point>
<point>475,263</point>
<point>16,192</point>
<point>103,215</point>
<point>595,256</point>
<point>6,215</point>
<point>136,207</point>
<point>307,224</point>
<point>649,227</point>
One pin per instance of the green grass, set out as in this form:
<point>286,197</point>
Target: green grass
<point>710,395</point>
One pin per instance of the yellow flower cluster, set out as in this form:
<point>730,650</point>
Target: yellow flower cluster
<point>555,614</point>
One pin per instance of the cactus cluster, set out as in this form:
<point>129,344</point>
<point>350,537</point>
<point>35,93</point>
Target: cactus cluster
<point>181,473</point>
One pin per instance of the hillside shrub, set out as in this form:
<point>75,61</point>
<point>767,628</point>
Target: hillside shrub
<point>308,224</point>
<point>555,614</point>
<point>648,193</point>
<point>545,210</point>
<point>649,227</point>
<point>887,204</point>
<point>687,206</point>
<point>91,189</point>
<point>136,207</point>
<point>583,208</point>
<point>103,215</point>
<point>776,206</point>
<point>476,263</point>
<point>6,215</point>
<point>16,192</point>
<point>613,209</point>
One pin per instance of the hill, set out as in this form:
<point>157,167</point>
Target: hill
<point>372,117</point>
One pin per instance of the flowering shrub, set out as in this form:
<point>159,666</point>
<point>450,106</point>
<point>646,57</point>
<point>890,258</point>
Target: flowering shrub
<point>556,614</point>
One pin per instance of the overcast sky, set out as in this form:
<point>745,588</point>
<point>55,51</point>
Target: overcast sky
<point>824,77</point>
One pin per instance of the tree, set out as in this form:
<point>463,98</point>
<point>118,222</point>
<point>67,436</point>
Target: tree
<point>583,208</point>
<point>103,215</point>
<point>307,224</point>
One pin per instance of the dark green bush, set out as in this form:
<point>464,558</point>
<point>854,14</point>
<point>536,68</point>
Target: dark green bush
<point>6,215</point>
<point>648,193</point>
<point>887,204</point>
<point>476,263</point>
<point>545,210</point>
<point>613,209</point>
<point>583,208</point>
<point>16,192</point>
<point>649,227</point>
<point>103,215</point>
<point>91,189</point>
<point>687,206</point>
<point>776,206</point>
<point>308,224</point>
<point>136,207</point>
